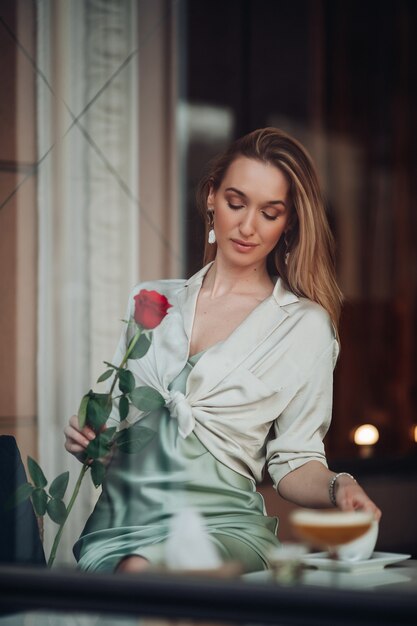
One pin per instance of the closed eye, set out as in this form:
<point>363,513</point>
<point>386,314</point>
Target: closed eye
<point>271,218</point>
<point>234,206</point>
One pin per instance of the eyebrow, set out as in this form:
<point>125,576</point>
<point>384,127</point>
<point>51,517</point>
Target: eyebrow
<point>243,195</point>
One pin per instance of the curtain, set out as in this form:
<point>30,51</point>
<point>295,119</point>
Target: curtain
<point>87,94</point>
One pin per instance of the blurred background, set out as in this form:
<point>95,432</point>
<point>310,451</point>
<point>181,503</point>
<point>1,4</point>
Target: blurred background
<point>109,111</point>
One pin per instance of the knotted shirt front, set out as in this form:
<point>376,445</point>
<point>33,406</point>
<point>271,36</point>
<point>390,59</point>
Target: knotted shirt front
<point>261,396</point>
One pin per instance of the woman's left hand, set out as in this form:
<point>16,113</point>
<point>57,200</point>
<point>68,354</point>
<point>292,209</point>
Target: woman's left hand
<point>351,497</point>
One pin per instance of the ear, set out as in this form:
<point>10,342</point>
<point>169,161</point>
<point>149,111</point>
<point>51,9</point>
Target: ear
<point>211,196</point>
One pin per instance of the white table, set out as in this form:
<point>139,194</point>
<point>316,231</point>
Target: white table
<point>397,577</point>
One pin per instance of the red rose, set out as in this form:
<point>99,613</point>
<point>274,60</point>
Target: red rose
<point>150,308</point>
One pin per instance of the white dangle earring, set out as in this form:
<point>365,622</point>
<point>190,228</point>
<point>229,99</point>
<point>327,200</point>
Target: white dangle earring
<point>211,234</point>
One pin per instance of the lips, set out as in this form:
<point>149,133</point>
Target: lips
<point>245,244</point>
<point>243,247</point>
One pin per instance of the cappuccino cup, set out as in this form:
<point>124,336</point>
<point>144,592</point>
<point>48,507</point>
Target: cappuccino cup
<point>362,548</point>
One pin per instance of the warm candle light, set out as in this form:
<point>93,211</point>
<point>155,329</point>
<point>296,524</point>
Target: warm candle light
<point>415,433</point>
<point>366,436</point>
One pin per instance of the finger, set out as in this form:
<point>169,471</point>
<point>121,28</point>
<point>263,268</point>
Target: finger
<point>78,451</point>
<point>89,433</point>
<point>75,442</point>
<point>86,430</point>
<point>77,435</point>
<point>347,501</point>
<point>372,508</point>
<point>365,504</point>
<point>351,502</point>
<point>359,502</point>
<point>73,420</point>
<point>73,436</point>
<point>74,448</point>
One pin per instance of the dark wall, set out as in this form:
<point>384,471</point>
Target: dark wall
<point>340,76</point>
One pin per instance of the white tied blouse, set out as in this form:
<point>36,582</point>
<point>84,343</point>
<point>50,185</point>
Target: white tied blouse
<point>263,395</point>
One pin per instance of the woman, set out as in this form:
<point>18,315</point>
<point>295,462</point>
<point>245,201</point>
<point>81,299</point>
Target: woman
<point>250,344</point>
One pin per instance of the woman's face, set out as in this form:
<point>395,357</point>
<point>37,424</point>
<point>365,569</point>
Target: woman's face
<point>251,211</point>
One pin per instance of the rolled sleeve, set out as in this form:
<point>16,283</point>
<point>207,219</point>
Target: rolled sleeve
<point>298,432</point>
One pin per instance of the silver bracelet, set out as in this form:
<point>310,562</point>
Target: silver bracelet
<point>332,486</point>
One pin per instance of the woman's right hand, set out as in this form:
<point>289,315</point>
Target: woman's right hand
<point>76,438</point>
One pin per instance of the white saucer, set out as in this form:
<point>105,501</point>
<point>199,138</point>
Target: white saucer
<point>377,561</point>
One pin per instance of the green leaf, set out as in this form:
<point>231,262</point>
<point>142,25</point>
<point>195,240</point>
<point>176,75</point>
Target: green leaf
<point>56,510</point>
<point>100,446</point>
<point>123,407</point>
<point>98,410</point>
<point>142,346</point>
<point>21,494</point>
<point>98,472</point>
<point>110,365</point>
<point>104,376</point>
<point>59,486</point>
<point>134,439</point>
<point>82,411</point>
<point>147,399</point>
<point>126,381</point>
<point>96,448</point>
<point>36,473</point>
<point>39,500</point>
<point>108,434</point>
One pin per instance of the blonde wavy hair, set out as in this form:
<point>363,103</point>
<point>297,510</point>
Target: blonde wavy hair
<point>309,270</point>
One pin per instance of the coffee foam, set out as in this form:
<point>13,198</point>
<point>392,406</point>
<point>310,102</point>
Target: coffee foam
<point>331,518</point>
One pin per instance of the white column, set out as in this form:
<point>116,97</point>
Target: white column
<point>88,212</point>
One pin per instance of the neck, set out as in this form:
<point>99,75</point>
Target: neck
<point>222,279</point>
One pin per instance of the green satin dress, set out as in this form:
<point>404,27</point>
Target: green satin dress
<point>143,491</point>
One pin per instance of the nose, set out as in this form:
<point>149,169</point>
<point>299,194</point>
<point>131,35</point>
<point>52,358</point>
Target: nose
<point>247,223</point>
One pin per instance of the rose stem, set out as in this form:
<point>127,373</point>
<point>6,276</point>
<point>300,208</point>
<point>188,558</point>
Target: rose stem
<point>85,467</point>
<point>125,358</point>
<point>55,545</point>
